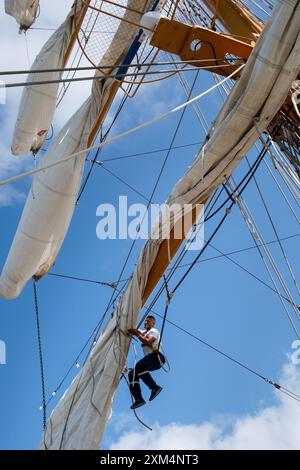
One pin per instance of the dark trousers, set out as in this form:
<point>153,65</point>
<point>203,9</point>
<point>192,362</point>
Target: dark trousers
<point>153,361</point>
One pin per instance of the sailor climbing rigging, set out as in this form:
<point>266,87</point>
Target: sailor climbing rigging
<point>153,360</point>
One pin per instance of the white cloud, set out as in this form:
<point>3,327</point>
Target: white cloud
<point>9,165</point>
<point>273,427</point>
<point>11,196</point>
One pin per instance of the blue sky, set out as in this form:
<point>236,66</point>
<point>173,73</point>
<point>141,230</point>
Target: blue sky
<point>218,302</point>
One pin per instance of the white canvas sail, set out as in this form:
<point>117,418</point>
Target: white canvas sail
<point>24,11</point>
<point>51,201</point>
<point>37,106</point>
<point>79,419</point>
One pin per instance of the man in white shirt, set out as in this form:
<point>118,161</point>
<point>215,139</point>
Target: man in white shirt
<point>153,360</point>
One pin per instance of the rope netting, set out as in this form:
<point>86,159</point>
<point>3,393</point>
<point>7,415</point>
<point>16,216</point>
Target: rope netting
<point>104,18</point>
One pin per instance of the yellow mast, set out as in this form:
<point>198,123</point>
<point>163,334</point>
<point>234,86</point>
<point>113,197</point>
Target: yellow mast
<point>78,25</point>
<point>234,18</point>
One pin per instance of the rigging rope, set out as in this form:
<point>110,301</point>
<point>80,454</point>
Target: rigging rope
<point>232,359</point>
<point>112,66</point>
<point>281,190</point>
<point>150,152</point>
<point>227,212</point>
<point>269,255</point>
<point>154,189</point>
<point>124,182</point>
<point>148,309</point>
<point>246,270</point>
<point>39,337</point>
<point>113,76</point>
<point>102,139</point>
<point>119,136</point>
<point>275,231</point>
<point>100,283</point>
<point>172,271</point>
<point>180,266</point>
<point>256,236</point>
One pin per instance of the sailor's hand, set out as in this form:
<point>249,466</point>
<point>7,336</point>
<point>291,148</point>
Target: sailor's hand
<point>133,331</point>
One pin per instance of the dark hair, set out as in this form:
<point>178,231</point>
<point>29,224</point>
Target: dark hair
<point>151,316</point>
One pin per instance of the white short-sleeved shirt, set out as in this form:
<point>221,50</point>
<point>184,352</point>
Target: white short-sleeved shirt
<point>156,334</point>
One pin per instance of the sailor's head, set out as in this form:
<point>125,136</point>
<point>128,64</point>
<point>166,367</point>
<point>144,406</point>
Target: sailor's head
<point>149,322</point>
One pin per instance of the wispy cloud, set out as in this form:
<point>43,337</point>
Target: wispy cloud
<point>11,196</point>
<point>273,427</point>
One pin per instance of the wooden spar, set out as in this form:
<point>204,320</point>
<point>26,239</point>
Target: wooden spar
<point>211,48</point>
<point>235,19</point>
<point>191,43</point>
<point>113,92</point>
<point>168,250</point>
<point>78,25</point>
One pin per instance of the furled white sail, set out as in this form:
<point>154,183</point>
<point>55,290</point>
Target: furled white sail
<point>24,11</point>
<point>79,419</point>
<point>38,103</point>
<point>51,201</point>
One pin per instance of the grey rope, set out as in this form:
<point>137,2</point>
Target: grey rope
<point>37,316</point>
